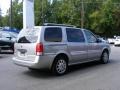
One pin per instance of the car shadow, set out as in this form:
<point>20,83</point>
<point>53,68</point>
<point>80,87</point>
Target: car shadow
<point>41,73</point>
<point>72,70</point>
<point>83,66</point>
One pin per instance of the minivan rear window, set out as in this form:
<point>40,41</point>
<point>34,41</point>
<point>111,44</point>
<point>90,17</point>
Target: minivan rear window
<point>28,36</point>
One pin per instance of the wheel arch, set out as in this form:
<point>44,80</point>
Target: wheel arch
<point>102,60</point>
<point>62,55</point>
<point>106,49</point>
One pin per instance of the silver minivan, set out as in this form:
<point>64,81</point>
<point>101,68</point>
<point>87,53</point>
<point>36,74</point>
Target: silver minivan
<point>55,47</point>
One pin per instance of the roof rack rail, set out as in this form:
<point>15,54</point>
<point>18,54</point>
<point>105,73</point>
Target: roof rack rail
<point>54,24</point>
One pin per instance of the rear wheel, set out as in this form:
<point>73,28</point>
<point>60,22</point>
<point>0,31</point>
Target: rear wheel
<point>60,66</point>
<point>105,57</point>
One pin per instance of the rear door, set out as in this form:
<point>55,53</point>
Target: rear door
<point>25,47</point>
<point>76,45</point>
<point>53,41</point>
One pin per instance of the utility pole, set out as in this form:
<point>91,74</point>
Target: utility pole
<point>10,14</point>
<point>82,14</point>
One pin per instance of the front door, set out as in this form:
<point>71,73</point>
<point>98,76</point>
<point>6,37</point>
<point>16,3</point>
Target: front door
<point>94,49</point>
<point>76,45</point>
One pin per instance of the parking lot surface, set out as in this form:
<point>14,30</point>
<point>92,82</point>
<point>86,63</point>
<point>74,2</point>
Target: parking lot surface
<point>90,76</point>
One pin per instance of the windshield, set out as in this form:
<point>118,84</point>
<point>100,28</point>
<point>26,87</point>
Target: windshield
<point>28,36</point>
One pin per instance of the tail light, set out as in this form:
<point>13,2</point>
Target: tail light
<point>39,49</point>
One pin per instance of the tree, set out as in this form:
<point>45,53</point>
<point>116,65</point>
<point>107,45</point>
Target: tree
<point>100,16</point>
<point>102,20</point>
<point>17,20</point>
<point>42,11</point>
<point>16,16</point>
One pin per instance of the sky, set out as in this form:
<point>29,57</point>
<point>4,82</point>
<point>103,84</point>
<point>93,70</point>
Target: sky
<point>4,5</point>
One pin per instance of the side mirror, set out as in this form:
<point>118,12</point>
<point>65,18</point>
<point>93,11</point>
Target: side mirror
<point>99,40</point>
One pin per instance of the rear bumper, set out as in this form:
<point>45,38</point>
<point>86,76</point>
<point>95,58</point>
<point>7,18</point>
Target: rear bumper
<point>40,62</point>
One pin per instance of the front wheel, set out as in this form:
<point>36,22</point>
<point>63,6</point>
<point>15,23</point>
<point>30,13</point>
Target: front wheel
<point>60,66</point>
<point>105,57</point>
<point>12,48</point>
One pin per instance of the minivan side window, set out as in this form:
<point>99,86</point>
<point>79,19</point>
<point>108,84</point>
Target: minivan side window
<point>74,35</point>
<point>53,34</point>
<point>90,37</point>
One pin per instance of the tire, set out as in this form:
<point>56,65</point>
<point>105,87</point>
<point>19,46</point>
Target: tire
<point>105,57</point>
<point>12,48</point>
<point>60,66</point>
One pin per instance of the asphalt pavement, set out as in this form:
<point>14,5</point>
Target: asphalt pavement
<point>89,76</point>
